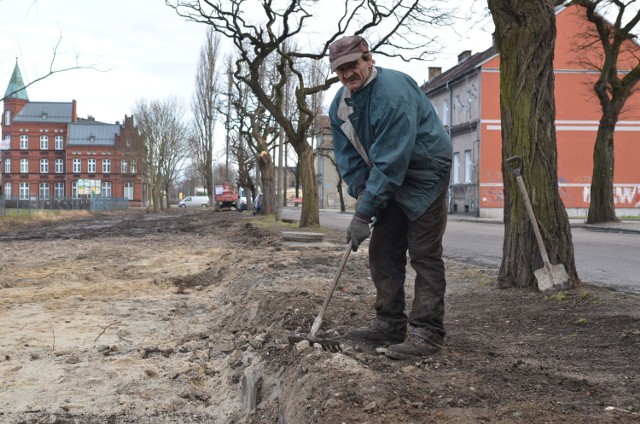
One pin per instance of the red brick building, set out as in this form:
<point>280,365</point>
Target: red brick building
<point>467,99</point>
<point>48,154</point>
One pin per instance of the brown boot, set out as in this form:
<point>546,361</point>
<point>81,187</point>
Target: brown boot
<point>415,346</point>
<point>379,333</point>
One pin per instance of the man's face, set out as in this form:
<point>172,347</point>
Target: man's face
<point>353,75</point>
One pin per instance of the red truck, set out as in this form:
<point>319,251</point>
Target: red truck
<point>226,198</point>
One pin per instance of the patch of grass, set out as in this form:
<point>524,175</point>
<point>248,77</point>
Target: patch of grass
<point>481,276</point>
<point>269,221</point>
<point>560,296</point>
<point>586,295</point>
<point>42,215</point>
<point>581,321</point>
<point>486,282</point>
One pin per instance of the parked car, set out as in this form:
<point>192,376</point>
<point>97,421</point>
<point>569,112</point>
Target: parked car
<point>194,202</point>
<point>257,204</point>
<point>242,200</point>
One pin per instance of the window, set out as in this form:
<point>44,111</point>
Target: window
<point>59,142</point>
<point>58,191</point>
<point>91,166</point>
<point>24,191</point>
<point>445,113</point>
<point>124,167</point>
<point>456,168</point>
<point>7,166</point>
<point>6,142</point>
<point>24,142</point>
<point>24,166</point>
<point>7,117</point>
<point>467,166</point>
<point>7,190</point>
<point>44,142</point>
<point>134,167</point>
<point>77,166</point>
<point>59,166</point>
<point>44,166</point>
<point>74,190</point>
<point>106,189</point>
<point>128,190</point>
<point>106,167</point>
<point>44,191</point>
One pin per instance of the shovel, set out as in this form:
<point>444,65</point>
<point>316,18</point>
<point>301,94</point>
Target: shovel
<point>329,345</point>
<point>550,277</point>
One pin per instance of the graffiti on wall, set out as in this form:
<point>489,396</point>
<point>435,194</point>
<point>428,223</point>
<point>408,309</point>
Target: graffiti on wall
<point>572,195</point>
<point>623,195</point>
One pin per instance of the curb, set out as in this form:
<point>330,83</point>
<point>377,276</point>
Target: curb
<point>620,228</point>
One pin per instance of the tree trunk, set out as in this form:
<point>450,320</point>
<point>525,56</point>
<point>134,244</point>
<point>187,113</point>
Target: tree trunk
<point>525,38</point>
<point>310,214</point>
<point>602,207</point>
<point>340,195</point>
<point>268,179</point>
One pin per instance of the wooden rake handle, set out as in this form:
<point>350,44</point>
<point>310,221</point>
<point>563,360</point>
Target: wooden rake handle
<point>318,321</point>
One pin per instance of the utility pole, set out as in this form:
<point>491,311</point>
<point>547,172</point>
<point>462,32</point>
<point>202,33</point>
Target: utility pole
<point>228,121</point>
<point>279,175</point>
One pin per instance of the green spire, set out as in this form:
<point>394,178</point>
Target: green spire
<point>16,88</point>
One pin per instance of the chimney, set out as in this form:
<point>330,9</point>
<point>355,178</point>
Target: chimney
<point>464,56</point>
<point>74,115</point>
<point>434,72</point>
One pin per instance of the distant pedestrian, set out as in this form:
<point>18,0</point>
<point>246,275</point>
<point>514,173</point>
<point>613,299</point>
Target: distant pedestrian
<point>395,156</point>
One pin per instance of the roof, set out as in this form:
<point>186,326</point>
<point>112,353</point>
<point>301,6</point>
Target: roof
<point>16,88</point>
<point>90,133</point>
<point>459,70</point>
<point>467,66</point>
<point>45,112</point>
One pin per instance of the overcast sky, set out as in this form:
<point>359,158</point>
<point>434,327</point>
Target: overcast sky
<point>148,50</point>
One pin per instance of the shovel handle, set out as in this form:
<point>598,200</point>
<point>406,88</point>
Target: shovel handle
<point>527,203</point>
<point>518,164</point>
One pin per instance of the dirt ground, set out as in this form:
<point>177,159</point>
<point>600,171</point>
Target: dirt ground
<point>183,317</point>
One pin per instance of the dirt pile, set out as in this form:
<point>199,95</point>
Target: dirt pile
<point>183,316</point>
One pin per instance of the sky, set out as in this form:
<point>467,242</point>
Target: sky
<point>143,49</point>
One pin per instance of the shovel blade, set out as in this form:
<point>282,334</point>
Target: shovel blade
<point>552,278</point>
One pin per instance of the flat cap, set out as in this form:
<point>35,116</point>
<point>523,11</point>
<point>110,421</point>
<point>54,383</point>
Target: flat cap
<point>347,49</point>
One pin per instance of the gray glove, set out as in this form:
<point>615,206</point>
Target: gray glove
<point>358,231</point>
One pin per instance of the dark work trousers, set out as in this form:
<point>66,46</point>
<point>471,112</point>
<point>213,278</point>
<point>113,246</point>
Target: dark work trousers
<point>392,235</point>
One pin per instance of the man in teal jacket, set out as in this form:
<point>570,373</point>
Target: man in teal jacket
<point>395,156</point>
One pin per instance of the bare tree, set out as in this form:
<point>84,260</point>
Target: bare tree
<point>525,38</point>
<point>613,88</point>
<point>238,145</point>
<point>327,153</point>
<point>402,29</point>
<point>255,134</point>
<point>204,107</point>
<point>162,144</point>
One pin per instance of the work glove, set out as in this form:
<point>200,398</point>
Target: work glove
<point>358,231</point>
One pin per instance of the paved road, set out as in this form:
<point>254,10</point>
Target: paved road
<point>602,257</point>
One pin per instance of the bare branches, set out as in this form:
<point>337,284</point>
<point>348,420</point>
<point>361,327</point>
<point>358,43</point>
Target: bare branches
<point>52,69</point>
<point>161,142</point>
<point>283,33</point>
<point>205,105</point>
